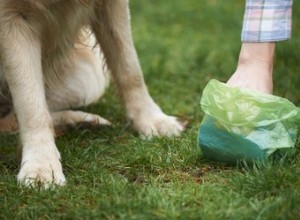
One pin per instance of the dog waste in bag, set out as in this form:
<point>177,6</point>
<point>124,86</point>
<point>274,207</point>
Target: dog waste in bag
<point>240,124</point>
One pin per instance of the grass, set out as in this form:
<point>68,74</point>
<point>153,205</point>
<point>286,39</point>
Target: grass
<point>112,174</point>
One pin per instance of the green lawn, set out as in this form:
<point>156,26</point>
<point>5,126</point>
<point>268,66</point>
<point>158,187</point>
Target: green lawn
<point>112,174</point>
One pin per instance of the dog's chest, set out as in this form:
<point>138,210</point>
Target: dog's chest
<point>61,27</point>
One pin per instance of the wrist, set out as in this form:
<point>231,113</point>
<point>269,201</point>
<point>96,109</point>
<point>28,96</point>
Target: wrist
<point>257,54</point>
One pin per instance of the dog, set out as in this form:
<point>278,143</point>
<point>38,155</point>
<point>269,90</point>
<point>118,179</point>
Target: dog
<point>51,64</point>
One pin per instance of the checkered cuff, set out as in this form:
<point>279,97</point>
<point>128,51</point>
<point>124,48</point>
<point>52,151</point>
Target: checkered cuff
<point>267,20</point>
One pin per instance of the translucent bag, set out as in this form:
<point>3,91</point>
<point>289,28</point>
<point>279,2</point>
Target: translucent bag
<point>240,124</point>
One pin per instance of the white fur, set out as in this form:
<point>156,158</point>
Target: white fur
<point>51,66</point>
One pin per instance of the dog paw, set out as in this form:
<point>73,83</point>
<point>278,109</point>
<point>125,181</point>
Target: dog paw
<point>39,172</point>
<point>66,120</point>
<point>158,125</point>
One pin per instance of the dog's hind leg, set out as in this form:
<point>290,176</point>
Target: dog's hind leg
<point>113,32</point>
<point>21,57</point>
<point>66,120</point>
<point>62,121</point>
<point>9,124</point>
<point>82,84</point>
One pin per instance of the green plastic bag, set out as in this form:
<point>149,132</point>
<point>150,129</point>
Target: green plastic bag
<point>240,124</point>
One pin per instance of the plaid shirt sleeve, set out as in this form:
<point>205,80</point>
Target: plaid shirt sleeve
<point>267,20</point>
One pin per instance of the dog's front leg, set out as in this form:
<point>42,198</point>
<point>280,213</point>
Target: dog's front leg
<point>113,31</point>
<point>21,57</point>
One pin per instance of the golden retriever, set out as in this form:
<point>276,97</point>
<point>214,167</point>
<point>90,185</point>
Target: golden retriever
<point>50,63</point>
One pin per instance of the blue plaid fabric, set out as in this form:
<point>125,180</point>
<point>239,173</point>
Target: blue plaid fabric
<point>267,20</point>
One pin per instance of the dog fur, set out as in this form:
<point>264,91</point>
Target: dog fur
<point>50,63</point>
